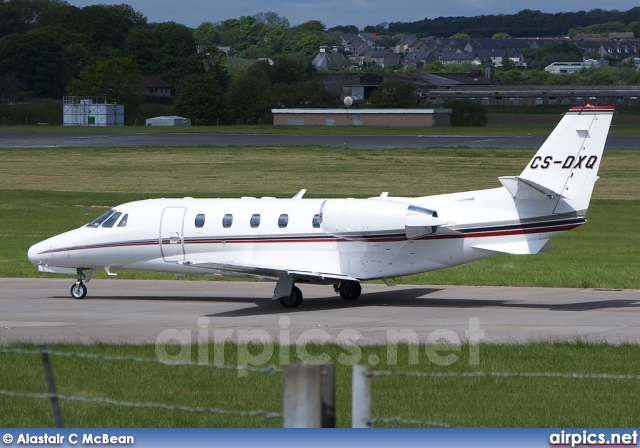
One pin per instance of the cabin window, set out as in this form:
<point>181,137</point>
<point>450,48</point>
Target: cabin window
<point>227,220</point>
<point>123,221</point>
<point>100,219</point>
<point>112,220</point>
<point>316,222</point>
<point>255,221</point>
<point>283,221</point>
<point>199,221</point>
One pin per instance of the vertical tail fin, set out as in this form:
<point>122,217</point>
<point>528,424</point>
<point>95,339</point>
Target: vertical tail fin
<point>566,165</point>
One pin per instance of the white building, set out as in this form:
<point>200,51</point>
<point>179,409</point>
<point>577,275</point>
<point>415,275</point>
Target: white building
<point>168,121</point>
<point>561,68</point>
<point>93,111</point>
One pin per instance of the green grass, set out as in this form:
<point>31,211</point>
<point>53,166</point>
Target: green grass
<point>542,129</point>
<point>469,402</point>
<point>46,192</point>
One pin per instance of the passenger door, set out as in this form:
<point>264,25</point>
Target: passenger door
<point>171,234</point>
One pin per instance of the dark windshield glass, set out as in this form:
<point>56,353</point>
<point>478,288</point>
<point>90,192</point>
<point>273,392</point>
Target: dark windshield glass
<point>100,219</point>
<point>112,220</point>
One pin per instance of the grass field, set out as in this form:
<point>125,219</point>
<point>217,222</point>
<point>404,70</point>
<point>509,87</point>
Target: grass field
<point>46,192</point>
<point>469,402</point>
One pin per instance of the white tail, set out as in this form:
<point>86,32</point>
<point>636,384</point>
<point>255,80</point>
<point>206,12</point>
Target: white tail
<point>566,165</point>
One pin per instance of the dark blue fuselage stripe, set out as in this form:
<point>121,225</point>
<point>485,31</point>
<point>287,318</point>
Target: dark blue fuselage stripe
<point>546,226</point>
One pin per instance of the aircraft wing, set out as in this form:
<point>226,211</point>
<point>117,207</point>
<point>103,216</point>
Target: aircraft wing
<point>270,272</point>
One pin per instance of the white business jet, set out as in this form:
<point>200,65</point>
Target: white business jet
<point>342,242</point>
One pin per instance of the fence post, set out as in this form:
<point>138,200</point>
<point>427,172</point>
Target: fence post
<point>328,379</point>
<point>55,405</point>
<point>361,397</point>
<point>308,396</point>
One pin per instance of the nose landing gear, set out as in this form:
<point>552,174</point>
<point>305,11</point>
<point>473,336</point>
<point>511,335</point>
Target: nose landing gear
<point>79,289</point>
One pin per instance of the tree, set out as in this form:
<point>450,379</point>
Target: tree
<point>200,98</point>
<point>44,59</point>
<point>167,50</point>
<point>287,70</point>
<point>270,19</point>
<point>248,99</point>
<point>466,113</point>
<point>207,34</point>
<point>118,79</point>
<point>107,26</point>
<point>16,17</point>
<point>344,29</point>
<point>460,36</point>
<point>560,52</point>
<point>178,55</point>
<point>275,39</point>
<point>301,94</point>
<point>435,67</point>
<point>143,46</point>
<point>511,77</point>
<point>394,94</point>
<point>214,60</point>
<point>501,36</point>
<point>507,64</point>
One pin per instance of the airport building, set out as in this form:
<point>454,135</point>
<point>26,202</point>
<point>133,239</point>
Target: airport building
<point>538,95</point>
<point>94,111</point>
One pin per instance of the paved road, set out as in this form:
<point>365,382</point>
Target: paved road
<point>142,311</point>
<point>82,140</point>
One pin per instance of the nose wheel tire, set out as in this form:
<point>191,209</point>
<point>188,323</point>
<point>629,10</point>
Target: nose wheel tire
<point>78,291</point>
<point>293,300</point>
<point>350,290</point>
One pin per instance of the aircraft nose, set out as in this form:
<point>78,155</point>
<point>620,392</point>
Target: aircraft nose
<point>35,253</point>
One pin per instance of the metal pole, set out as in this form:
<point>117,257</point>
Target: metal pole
<point>328,379</point>
<point>306,398</point>
<point>48,373</point>
<point>361,397</point>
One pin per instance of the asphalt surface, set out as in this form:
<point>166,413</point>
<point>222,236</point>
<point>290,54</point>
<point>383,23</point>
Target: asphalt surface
<point>85,140</point>
<point>117,310</point>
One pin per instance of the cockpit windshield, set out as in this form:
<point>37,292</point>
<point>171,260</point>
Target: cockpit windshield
<point>100,219</point>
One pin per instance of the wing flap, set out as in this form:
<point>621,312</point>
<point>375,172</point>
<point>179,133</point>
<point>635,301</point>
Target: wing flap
<point>270,272</point>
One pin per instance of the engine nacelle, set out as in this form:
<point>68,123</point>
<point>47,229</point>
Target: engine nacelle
<point>371,218</point>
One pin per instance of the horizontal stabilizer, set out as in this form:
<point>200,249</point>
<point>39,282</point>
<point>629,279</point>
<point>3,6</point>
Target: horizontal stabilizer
<point>526,247</point>
<point>521,188</point>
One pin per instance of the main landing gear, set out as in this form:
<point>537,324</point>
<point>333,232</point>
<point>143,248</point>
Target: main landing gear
<point>348,290</point>
<point>79,289</point>
<point>293,300</point>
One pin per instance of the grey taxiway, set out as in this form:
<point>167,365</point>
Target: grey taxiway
<point>149,311</point>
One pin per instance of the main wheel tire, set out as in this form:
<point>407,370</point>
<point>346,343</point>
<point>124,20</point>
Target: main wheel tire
<point>293,300</point>
<point>78,291</point>
<point>350,290</point>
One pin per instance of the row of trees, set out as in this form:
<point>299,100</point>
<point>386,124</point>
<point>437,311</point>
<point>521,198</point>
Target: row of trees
<point>44,44</point>
<point>266,34</point>
<point>251,94</point>
<point>526,23</point>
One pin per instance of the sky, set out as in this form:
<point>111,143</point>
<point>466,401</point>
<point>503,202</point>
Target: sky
<point>346,12</point>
